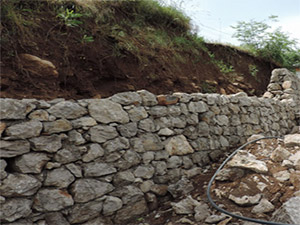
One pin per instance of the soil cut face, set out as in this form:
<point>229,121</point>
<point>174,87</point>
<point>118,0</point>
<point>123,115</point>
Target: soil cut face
<point>102,66</point>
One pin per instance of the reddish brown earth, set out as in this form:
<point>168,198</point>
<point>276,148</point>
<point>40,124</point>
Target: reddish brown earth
<point>87,70</point>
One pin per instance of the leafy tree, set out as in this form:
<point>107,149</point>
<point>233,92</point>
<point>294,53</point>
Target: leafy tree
<point>275,45</point>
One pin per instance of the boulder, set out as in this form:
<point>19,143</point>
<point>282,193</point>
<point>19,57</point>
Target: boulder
<point>37,66</point>
<point>289,212</point>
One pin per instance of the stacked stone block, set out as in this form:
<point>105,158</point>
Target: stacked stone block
<point>96,161</point>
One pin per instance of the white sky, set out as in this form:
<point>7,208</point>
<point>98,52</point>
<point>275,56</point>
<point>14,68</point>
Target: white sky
<point>214,18</point>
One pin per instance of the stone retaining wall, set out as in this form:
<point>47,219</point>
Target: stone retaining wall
<point>95,161</point>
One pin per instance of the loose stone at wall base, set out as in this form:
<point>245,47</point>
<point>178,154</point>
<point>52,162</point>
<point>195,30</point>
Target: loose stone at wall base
<point>131,211</point>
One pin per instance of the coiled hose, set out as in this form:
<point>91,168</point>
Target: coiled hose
<point>223,210</point>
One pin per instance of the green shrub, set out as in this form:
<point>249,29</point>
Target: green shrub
<point>272,45</point>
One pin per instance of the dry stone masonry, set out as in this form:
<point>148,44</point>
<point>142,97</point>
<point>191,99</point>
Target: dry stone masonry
<point>104,161</point>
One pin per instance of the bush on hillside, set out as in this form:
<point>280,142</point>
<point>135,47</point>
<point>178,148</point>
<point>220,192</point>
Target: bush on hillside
<point>272,45</point>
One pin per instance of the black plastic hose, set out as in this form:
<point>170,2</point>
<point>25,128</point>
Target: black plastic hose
<point>223,210</point>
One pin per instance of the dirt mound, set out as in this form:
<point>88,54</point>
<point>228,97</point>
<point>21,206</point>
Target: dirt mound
<point>117,54</point>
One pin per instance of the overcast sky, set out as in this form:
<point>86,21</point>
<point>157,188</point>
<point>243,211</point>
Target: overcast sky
<point>214,18</point>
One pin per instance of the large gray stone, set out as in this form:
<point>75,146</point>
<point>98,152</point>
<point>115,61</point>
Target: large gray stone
<point>24,130</point>
<point>181,188</point>
<point>147,125</point>
<point>111,205</point>
<point>84,122</point>
<point>246,160</point>
<point>98,169</point>
<point>52,200</point>
<point>148,99</point>
<point>158,111</point>
<point>197,107</point>
<point>144,171</point>
<point>127,98</point>
<point>116,144</point>
<point>203,129</point>
<point>222,120</point>
<point>67,155</point>
<point>185,206</point>
<point>31,162</point>
<point>94,151</point>
<point>245,200</point>
<point>57,126</point>
<point>137,113</point>
<point>123,178</point>
<point>80,213</point>
<point>106,111</point>
<point>10,149</point>
<point>40,115</point>
<point>178,145</point>
<point>85,190</point>
<point>130,158</point>
<point>102,133</point>
<point>46,143</point>
<point>280,154</point>
<point>264,206</point>
<point>67,109</point>
<point>59,177</point>
<point>292,140</point>
<point>76,137</point>
<point>15,208</point>
<point>128,130</point>
<point>74,169</point>
<point>129,194</point>
<point>13,109</point>
<point>131,211</point>
<point>147,142</point>
<point>289,212</point>
<point>15,185</point>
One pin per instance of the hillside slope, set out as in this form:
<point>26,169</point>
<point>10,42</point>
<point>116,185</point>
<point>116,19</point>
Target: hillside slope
<point>100,48</point>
